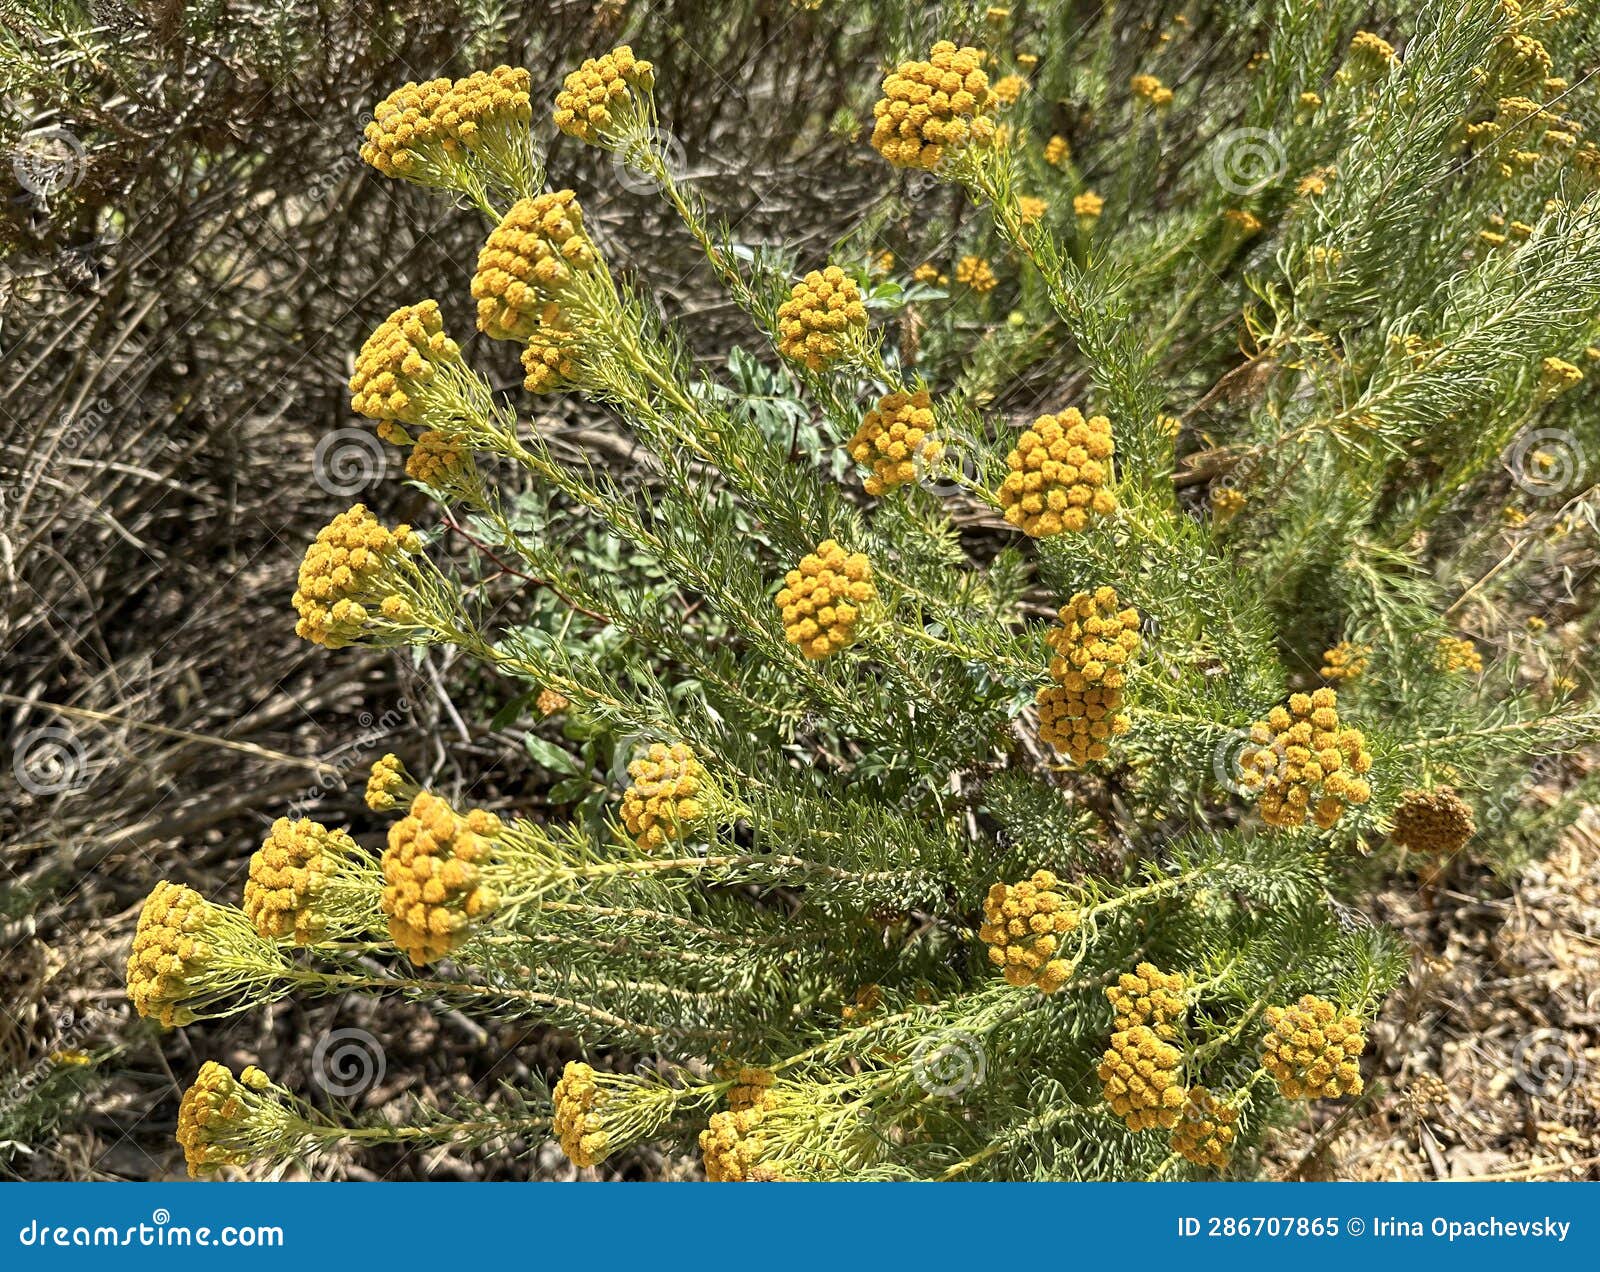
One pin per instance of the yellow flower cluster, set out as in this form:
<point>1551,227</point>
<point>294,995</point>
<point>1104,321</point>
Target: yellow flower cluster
<point>437,460</point>
<point>752,1089</point>
<point>1345,661</point>
<point>1311,1050</point>
<point>170,951</point>
<point>895,436</point>
<point>821,601</point>
<point>1151,90</point>
<point>388,784</point>
<point>1031,209</point>
<point>1437,821</point>
<point>593,97</point>
<point>530,259</point>
<point>1556,376</point>
<point>423,127</point>
<point>1023,924</point>
<point>1093,647</point>
<point>976,273</point>
<point>551,701</point>
<point>1088,206</point>
<point>1227,502</point>
<point>347,568</point>
<point>821,318</point>
<point>550,358</point>
<point>929,108</point>
<point>1057,151</point>
<point>1458,654</point>
<point>664,802</point>
<point>1008,89</point>
<point>1141,1078</point>
<point>399,362</point>
<point>289,873</point>
<point>1205,1131</point>
<point>432,877</point>
<point>1523,59</point>
<point>733,1145</point>
<point>1303,761</point>
<point>1149,996</point>
<point>213,1118</point>
<point>1058,474</point>
<point>1240,223</point>
<point>577,1097</point>
<point>1370,56</point>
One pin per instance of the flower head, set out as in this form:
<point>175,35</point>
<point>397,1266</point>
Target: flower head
<point>1521,59</point>
<point>1345,661</point>
<point>440,461</point>
<point>1457,654</point>
<point>1151,89</point>
<point>1304,763</point>
<point>666,799</point>
<point>433,890</point>
<point>426,133</point>
<point>894,438</point>
<point>353,568</point>
<point>189,956</point>
<point>1370,57</point>
<point>821,600</point>
<point>307,882</point>
<point>931,108</point>
<point>1436,821</point>
<point>550,358</point>
<point>1023,924</point>
<point>752,1088</point>
<point>1088,206</point>
<point>1556,376</point>
<point>396,370</point>
<point>599,99</point>
<point>976,273</point>
<point>822,317</point>
<point>1140,1076</point>
<point>533,258</point>
<point>1205,1131</point>
<point>1093,646</point>
<point>1227,502</point>
<point>1311,1050</point>
<point>1149,996</point>
<point>1057,151</point>
<point>1240,223</point>
<point>1008,89</point>
<point>577,1124</point>
<point>1059,474</point>
<point>226,1121</point>
<point>734,1145</point>
<point>389,785</point>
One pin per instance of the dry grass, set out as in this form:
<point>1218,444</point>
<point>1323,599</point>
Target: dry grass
<point>1487,1061</point>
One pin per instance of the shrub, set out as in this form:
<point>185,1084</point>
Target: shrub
<point>866,916</point>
